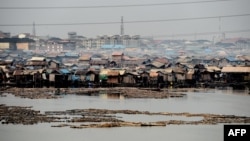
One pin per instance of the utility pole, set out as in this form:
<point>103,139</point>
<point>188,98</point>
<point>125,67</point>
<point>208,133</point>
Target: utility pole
<point>34,29</point>
<point>122,26</point>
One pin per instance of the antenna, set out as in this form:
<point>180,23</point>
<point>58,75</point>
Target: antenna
<point>34,29</point>
<point>122,26</point>
<point>220,25</point>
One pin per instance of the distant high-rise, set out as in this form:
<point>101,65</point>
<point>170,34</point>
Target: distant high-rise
<point>122,26</point>
<point>72,35</point>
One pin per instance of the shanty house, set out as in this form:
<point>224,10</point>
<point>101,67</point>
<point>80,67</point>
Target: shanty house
<point>153,77</point>
<point>179,74</point>
<point>169,75</point>
<point>214,72</point>
<point>130,78</point>
<point>144,78</point>
<point>84,59</point>
<point>28,78</point>
<point>236,74</point>
<point>92,76</point>
<point>103,75</point>
<point>113,77</point>
<point>155,65</point>
<point>99,62</point>
<point>36,63</point>
<point>53,64</point>
<point>117,57</point>
<point>59,78</point>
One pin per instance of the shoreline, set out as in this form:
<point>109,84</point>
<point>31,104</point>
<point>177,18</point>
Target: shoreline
<point>126,92</point>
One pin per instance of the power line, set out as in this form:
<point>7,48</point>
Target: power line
<point>184,19</point>
<point>203,33</point>
<point>118,22</point>
<point>115,6</point>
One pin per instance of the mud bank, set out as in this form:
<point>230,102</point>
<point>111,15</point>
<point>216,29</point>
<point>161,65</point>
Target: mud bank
<point>23,115</point>
<point>31,93</point>
<point>103,118</point>
<point>127,92</point>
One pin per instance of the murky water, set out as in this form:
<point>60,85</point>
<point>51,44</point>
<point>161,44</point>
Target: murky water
<point>208,101</point>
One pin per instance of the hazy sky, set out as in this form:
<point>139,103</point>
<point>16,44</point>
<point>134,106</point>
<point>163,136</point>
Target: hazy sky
<point>165,29</point>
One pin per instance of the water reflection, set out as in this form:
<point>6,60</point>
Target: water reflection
<point>111,96</point>
<point>155,118</point>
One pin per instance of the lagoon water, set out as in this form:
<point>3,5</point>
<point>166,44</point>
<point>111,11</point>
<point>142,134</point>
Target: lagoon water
<point>212,101</point>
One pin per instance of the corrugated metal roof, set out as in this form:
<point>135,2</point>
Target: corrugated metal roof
<point>84,58</point>
<point>236,69</point>
<point>191,71</point>
<point>97,62</point>
<point>156,70</point>
<point>133,73</point>
<point>35,63</point>
<point>168,70</point>
<point>157,64</point>
<point>161,60</point>
<point>37,59</point>
<point>153,74</point>
<point>80,72</point>
<point>117,53</point>
<point>231,58</point>
<point>64,71</point>
<point>104,71</point>
<point>4,68</point>
<point>112,46</point>
<point>178,70</point>
<point>122,72</point>
<point>18,72</point>
<point>212,69</point>
<point>26,72</point>
<point>71,54</point>
<point>113,73</point>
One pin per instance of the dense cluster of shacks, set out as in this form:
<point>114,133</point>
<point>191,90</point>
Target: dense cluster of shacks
<point>119,69</point>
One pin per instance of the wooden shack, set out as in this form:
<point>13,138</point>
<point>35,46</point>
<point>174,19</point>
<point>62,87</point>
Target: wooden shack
<point>153,77</point>
<point>117,57</point>
<point>169,76</point>
<point>144,75</point>
<point>179,74</point>
<point>36,63</point>
<point>113,77</point>
<point>130,78</point>
<point>28,78</point>
<point>84,59</point>
<point>236,74</point>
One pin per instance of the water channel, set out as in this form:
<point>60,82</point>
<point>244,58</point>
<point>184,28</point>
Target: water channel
<point>214,101</point>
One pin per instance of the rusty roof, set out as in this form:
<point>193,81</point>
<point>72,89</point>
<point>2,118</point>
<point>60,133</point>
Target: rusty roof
<point>153,74</point>
<point>27,72</point>
<point>178,70</point>
<point>113,73</point>
<point>37,59</point>
<point>212,69</point>
<point>97,62</point>
<point>35,63</point>
<point>85,57</point>
<point>161,60</point>
<point>117,53</point>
